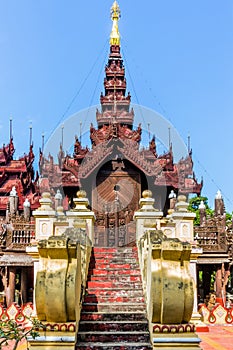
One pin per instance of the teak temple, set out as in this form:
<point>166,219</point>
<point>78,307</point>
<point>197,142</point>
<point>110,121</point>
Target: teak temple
<point>100,245</point>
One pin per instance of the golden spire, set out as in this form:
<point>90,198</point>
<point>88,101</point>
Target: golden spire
<point>115,15</point>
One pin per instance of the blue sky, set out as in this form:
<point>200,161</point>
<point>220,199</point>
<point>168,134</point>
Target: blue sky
<point>179,62</point>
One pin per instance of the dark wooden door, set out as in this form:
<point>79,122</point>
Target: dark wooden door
<point>115,197</point>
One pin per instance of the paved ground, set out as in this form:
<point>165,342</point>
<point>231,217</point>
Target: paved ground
<point>218,338</point>
<point>21,346</point>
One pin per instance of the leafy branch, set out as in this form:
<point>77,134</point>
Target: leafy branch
<point>11,331</point>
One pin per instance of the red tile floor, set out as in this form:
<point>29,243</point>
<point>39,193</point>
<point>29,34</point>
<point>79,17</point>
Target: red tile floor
<point>218,338</point>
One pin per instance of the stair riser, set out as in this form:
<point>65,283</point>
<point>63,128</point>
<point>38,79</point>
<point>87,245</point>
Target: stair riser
<point>109,265</point>
<point>115,293</point>
<point>106,272</point>
<point>118,263</point>
<point>115,256</point>
<point>112,316</point>
<point>113,285</point>
<point>107,250</point>
<point>120,278</point>
<point>113,337</point>
<point>112,327</point>
<point>109,299</point>
<point>113,308</point>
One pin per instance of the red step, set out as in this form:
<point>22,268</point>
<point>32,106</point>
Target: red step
<point>117,292</point>
<point>112,278</point>
<point>113,317</point>
<point>116,250</point>
<point>103,337</point>
<point>113,284</point>
<point>110,265</point>
<point>105,272</point>
<point>114,307</point>
<point>117,326</point>
<point>112,299</point>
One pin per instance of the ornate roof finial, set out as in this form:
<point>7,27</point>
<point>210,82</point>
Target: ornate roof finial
<point>115,15</point>
<point>202,205</point>
<point>218,195</point>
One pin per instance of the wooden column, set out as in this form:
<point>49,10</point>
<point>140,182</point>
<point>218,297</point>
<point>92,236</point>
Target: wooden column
<point>24,285</point>
<point>10,295</point>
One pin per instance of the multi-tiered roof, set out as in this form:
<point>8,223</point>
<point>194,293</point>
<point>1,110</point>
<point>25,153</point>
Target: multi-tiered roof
<point>115,123</point>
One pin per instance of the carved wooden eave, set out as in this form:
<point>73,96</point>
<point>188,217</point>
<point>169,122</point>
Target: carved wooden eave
<point>70,166</point>
<point>185,165</point>
<point>68,179</point>
<point>109,99</point>
<point>11,259</point>
<point>3,177</point>
<point>114,69</point>
<point>7,152</point>
<point>113,131</point>
<point>120,116</point>
<point>95,158</point>
<point>130,151</point>
<point>168,178</point>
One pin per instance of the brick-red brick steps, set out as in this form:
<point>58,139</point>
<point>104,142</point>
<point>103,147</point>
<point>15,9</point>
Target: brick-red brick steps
<point>114,312</point>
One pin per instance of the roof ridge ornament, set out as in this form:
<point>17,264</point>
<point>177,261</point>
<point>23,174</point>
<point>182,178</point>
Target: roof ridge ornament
<point>115,16</point>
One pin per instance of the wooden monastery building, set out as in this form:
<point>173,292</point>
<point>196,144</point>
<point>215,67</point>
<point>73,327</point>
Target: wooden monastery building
<point>114,172</point>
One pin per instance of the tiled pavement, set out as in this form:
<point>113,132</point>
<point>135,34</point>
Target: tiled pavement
<point>218,338</point>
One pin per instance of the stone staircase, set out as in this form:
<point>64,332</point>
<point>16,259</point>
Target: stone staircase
<point>113,313</point>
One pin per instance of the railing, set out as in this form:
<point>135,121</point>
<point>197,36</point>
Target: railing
<point>210,241</point>
<point>21,234</point>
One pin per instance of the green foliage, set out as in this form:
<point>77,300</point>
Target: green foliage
<point>194,205</point>
<point>11,331</point>
<point>228,219</point>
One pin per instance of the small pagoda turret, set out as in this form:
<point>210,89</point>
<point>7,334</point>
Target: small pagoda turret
<point>19,173</point>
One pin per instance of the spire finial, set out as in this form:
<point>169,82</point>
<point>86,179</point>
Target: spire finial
<point>115,15</point>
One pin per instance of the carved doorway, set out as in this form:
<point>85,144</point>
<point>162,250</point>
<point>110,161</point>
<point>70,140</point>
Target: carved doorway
<point>115,197</point>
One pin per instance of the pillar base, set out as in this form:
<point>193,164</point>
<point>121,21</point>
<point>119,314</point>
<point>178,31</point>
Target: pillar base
<point>199,325</point>
<point>182,336</point>
<point>178,343</point>
<point>53,341</point>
